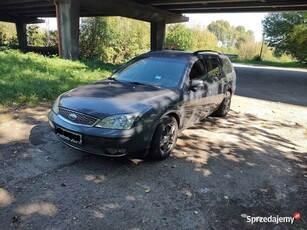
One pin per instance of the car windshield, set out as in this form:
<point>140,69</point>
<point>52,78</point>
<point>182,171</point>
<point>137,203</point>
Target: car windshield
<point>163,72</point>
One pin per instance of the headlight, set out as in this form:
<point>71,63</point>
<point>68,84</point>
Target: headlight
<point>55,106</point>
<point>122,121</point>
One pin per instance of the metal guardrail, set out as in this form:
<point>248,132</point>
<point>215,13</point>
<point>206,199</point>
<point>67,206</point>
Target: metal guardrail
<point>232,57</point>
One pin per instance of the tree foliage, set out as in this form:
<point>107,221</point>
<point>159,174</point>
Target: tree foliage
<point>33,35</point>
<point>36,36</point>
<point>7,33</point>
<point>242,36</point>
<point>203,39</point>
<point>287,33</point>
<point>113,39</point>
<point>51,38</point>
<point>229,35</point>
<point>180,37</point>
<point>223,31</point>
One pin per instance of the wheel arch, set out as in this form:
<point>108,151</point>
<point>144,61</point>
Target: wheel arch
<point>169,113</point>
<point>175,115</point>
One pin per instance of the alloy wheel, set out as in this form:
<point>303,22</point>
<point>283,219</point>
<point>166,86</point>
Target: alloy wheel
<point>167,138</point>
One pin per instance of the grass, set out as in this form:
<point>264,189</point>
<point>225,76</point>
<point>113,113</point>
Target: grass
<point>273,63</point>
<point>29,79</point>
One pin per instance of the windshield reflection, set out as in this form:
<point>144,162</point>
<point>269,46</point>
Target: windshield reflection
<point>162,72</point>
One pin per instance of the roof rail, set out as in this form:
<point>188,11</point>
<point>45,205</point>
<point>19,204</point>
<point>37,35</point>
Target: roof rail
<point>209,51</point>
<point>170,49</point>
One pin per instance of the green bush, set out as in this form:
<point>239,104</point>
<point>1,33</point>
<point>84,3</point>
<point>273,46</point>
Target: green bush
<point>257,58</point>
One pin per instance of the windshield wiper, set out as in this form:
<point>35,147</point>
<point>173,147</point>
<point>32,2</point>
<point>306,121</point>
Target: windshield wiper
<point>140,83</point>
<point>112,78</point>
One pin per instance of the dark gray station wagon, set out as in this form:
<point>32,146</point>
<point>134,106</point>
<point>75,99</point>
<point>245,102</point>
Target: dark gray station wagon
<point>138,111</point>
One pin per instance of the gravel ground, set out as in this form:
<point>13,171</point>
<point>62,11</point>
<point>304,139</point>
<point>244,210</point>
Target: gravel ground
<point>252,163</point>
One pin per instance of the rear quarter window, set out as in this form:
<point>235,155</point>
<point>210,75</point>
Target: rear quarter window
<point>227,67</point>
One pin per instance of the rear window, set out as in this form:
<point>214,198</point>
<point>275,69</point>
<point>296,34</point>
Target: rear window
<point>226,65</point>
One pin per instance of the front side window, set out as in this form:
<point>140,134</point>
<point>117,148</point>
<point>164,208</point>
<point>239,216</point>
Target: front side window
<point>198,71</point>
<point>163,72</point>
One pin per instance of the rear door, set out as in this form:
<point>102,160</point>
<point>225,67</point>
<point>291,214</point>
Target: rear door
<point>215,79</point>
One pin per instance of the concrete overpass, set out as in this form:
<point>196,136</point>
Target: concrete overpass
<point>157,12</point>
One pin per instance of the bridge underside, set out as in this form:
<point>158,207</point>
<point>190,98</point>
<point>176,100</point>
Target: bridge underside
<point>157,12</point>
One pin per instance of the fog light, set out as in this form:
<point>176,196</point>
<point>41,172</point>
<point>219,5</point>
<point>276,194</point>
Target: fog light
<point>117,151</point>
<point>122,151</point>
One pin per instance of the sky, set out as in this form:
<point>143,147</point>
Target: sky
<point>251,21</point>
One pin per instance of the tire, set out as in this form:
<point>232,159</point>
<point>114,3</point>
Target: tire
<point>224,106</point>
<point>164,139</point>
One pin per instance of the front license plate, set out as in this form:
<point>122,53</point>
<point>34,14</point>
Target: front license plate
<point>69,136</point>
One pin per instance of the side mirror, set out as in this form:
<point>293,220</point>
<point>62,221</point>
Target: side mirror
<point>195,84</point>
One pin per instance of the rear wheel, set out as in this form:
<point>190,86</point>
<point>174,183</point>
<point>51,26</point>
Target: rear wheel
<point>164,139</point>
<point>224,106</point>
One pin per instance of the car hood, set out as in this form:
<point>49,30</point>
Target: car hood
<point>105,98</point>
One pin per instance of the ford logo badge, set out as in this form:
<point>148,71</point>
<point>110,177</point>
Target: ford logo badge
<point>72,116</point>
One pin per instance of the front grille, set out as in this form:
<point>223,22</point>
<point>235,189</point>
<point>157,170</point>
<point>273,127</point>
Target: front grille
<point>77,118</point>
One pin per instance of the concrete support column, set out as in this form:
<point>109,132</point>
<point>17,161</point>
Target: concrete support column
<point>21,29</point>
<point>157,35</point>
<point>68,13</point>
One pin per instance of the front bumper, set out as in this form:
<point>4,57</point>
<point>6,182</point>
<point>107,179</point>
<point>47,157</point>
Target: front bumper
<point>106,142</point>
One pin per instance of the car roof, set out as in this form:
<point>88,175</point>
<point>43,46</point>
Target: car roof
<point>183,55</point>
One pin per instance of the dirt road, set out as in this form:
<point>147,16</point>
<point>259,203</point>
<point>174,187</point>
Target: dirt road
<point>253,163</point>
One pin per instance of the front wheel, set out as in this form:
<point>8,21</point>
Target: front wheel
<point>224,106</point>
<point>164,139</point>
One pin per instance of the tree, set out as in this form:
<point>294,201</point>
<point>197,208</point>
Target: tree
<point>113,39</point>
<point>50,38</point>
<point>90,41</point>
<point>179,37</point>
<point>7,33</point>
<point>203,39</point>
<point>36,36</point>
<point>298,37</point>
<point>287,33</point>
<point>223,31</point>
<point>243,37</point>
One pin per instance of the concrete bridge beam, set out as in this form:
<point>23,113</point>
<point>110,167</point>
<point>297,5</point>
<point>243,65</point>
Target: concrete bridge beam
<point>21,28</point>
<point>157,35</point>
<point>68,13</point>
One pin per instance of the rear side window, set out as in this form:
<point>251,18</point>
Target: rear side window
<point>213,67</point>
<point>226,66</point>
